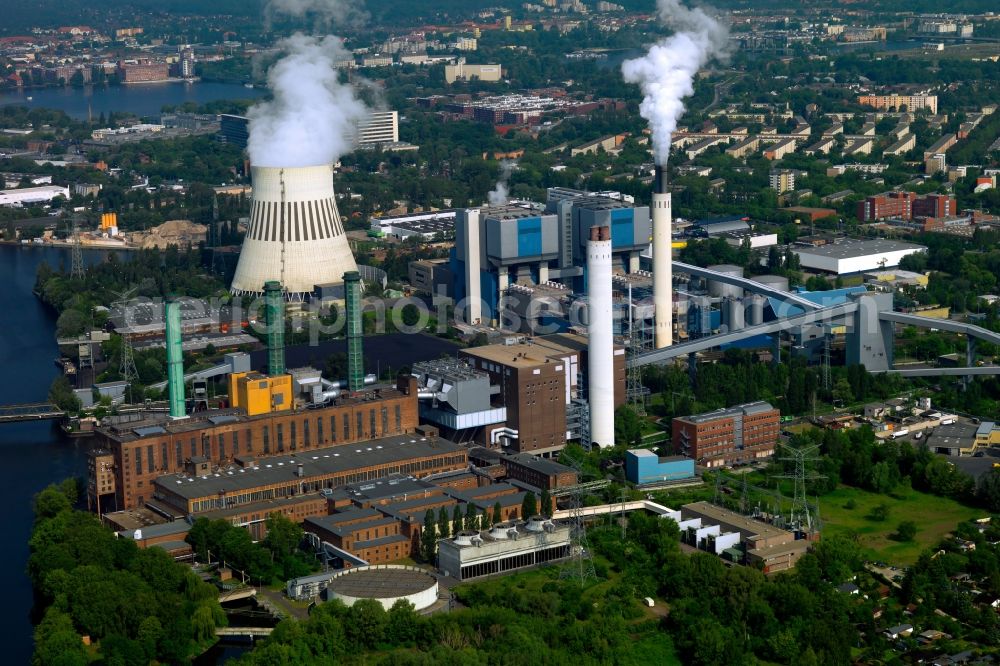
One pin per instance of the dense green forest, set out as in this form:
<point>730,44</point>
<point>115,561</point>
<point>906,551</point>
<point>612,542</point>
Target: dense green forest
<point>135,606</point>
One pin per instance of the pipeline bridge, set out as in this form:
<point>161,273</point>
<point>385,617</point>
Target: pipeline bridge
<point>243,632</point>
<point>871,331</point>
<point>37,411</point>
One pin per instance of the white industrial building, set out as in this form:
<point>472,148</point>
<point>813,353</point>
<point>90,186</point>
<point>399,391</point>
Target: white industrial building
<point>26,196</point>
<point>505,547</point>
<point>424,225</point>
<point>851,257</point>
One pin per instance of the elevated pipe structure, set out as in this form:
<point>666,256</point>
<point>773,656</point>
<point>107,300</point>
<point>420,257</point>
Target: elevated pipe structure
<point>748,284</point>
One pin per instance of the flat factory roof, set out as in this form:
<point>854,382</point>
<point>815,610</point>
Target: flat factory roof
<point>318,462</point>
<point>855,249</point>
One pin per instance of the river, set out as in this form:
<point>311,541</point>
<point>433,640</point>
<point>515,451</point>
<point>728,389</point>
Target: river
<point>34,454</point>
<point>142,99</point>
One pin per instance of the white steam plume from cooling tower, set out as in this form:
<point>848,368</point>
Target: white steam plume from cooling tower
<point>666,73</point>
<point>312,118</point>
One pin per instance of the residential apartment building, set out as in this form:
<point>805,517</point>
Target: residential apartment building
<point>897,102</point>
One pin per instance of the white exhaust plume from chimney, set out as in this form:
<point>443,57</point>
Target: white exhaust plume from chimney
<point>666,73</point>
<point>499,195</point>
<point>311,120</point>
<point>325,12</point>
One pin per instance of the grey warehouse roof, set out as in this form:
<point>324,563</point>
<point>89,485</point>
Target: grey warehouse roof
<point>854,249</point>
<point>328,461</point>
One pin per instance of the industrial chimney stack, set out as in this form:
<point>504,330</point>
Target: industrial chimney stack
<point>662,260</point>
<point>175,358</point>
<point>600,349</point>
<point>355,354</point>
<point>274,312</point>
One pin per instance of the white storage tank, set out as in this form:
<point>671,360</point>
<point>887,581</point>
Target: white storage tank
<point>774,281</point>
<point>754,309</point>
<point>719,289</point>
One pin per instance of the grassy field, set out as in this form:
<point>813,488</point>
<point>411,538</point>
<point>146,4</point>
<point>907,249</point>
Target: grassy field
<point>935,517</point>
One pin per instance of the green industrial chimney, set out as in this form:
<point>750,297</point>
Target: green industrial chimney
<point>175,358</point>
<point>274,305</point>
<point>355,356</point>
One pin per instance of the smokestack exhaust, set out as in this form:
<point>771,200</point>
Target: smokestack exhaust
<point>175,358</point>
<point>661,184</point>
<point>600,339</point>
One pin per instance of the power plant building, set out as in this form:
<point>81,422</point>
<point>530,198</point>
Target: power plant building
<point>738,434</point>
<point>540,387</point>
<point>505,547</point>
<point>144,450</point>
<point>500,246</point>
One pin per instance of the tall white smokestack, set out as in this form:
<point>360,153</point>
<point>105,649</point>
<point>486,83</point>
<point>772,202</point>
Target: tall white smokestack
<point>666,75</point>
<point>600,348</point>
<point>296,235</point>
<point>662,261</point>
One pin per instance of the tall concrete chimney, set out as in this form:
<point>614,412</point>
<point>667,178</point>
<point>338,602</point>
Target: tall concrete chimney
<point>600,348</point>
<point>175,358</point>
<point>355,354</point>
<point>662,260</point>
<point>274,311</point>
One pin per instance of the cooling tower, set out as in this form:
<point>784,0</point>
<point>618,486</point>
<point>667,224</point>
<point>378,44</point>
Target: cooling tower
<point>296,236</point>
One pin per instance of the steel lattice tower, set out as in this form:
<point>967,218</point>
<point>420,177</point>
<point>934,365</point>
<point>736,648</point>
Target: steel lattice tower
<point>581,565</point>
<point>802,517</point>
<point>126,366</point>
<point>635,392</point>
<point>76,270</point>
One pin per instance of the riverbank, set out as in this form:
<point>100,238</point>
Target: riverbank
<point>65,245</point>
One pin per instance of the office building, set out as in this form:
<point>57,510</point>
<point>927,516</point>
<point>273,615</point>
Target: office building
<point>738,434</point>
<point>234,129</point>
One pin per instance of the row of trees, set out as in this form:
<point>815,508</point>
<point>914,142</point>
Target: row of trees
<point>136,606</point>
<point>438,526</point>
<point>275,559</point>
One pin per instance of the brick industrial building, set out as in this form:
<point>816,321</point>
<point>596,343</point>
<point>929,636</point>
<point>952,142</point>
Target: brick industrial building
<point>140,452</point>
<point>905,206</point>
<point>538,380</point>
<point>739,434</point>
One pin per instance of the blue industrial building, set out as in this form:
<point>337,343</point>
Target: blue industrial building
<point>527,244</point>
<point>642,466</point>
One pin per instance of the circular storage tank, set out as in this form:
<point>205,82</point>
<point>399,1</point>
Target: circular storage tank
<point>734,314</point>
<point>774,281</point>
<point>385,583</point>
<point>754,309</point>
<point>721,289</point>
